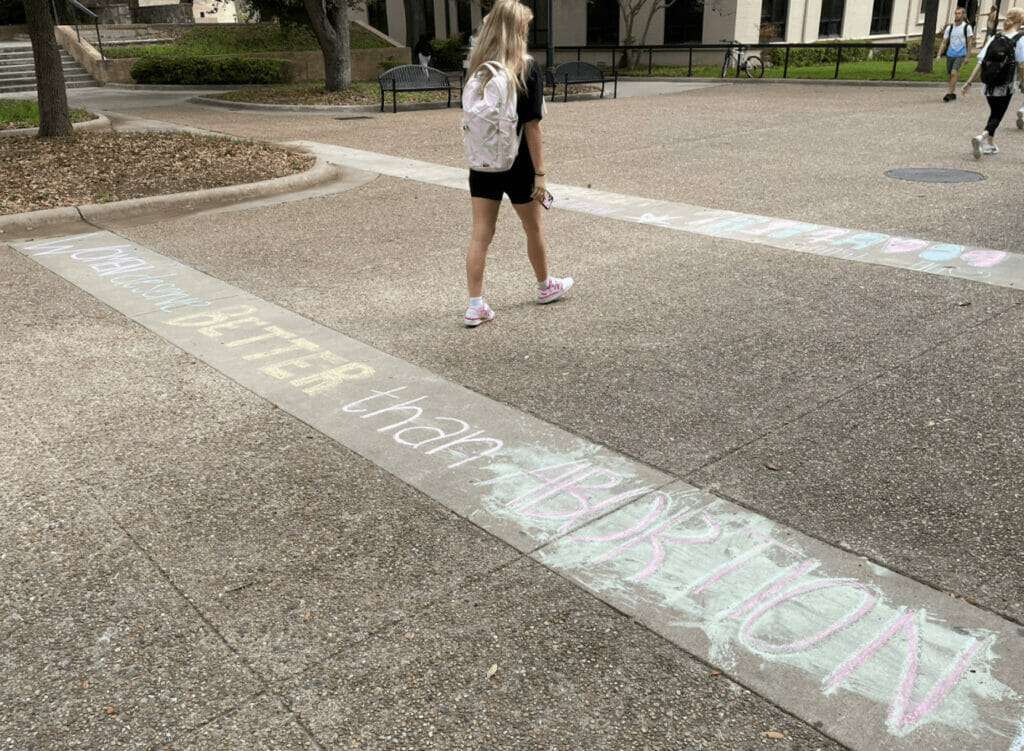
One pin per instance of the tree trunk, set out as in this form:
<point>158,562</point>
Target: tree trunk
<point>926,57</point>
<point>415,24</point>
<point>54,120</point>
<point>329,21</point>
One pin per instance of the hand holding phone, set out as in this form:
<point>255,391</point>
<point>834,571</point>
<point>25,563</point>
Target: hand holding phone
<point>547,200</point>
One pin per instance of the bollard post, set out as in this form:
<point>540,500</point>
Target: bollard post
<point>839,59</point>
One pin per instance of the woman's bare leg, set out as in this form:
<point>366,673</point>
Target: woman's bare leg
<point>536,247</point>
<point>485,216</point>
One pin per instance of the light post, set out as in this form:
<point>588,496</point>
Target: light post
<point>551,34</point>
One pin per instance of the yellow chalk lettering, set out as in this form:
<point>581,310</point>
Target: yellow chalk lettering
<point>280,369</point>
<point>211,317</point>
<point>328,379</point>
<point>295,346</point>
<point>215,329</point>
<point>273,332</point>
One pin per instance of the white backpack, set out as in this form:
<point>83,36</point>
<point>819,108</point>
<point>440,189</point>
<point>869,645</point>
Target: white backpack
<point>489,120</point>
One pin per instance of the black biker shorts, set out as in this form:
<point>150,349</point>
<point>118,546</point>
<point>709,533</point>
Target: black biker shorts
<point>517,182</point>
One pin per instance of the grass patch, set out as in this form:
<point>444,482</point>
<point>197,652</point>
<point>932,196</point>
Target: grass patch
<point>871,70</point>
<point>360,92</point>
<point>24,113</point>
<point>234,40</point>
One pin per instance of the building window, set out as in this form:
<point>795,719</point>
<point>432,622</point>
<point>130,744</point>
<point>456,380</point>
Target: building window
<point>831,24</point>
<point>602,22</point>
<point>684,22</point>
<point>881,17</point>
<point>773,20</point>
<point>377,15</point>
<point>539,28</point>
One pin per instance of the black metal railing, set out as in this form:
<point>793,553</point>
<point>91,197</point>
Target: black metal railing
<point>73,10</point>
<point>638,50</point>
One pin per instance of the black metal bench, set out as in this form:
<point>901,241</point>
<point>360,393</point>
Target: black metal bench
<point>570,74</point>
<point>412,78</point>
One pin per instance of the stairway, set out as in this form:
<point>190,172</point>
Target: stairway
<point>17,71</point>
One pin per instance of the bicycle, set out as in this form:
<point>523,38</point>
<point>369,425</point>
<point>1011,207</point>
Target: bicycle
<point>749,64</point>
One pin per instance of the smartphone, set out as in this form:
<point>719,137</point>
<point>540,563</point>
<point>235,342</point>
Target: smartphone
<point>547,200</point>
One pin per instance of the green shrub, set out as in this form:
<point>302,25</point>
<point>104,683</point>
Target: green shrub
<point>387,64</point>
<point>448,53</point>
<point>199,70</point>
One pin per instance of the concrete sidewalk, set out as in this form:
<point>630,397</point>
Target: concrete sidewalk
<point>191,566</point>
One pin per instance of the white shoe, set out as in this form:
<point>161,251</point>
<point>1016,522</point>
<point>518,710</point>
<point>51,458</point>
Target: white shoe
<point>1020,119</point>
<point>555,289</point>
<point>989,148</point>
<point>978,146</point>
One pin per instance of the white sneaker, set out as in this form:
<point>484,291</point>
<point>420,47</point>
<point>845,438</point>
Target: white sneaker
<point>555,289</point>
<point>978,144</point>
<point>475,315</point>
<point>1020,119</point>
<point>989,148</point>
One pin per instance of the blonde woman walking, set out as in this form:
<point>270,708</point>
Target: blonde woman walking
<point>500,54</point>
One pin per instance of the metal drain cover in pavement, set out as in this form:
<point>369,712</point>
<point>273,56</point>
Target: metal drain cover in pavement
<point>935,175</point>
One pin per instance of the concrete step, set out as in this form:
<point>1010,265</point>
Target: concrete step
<point>69,77</point>
<point>28,67</point>
<point>5,89</point>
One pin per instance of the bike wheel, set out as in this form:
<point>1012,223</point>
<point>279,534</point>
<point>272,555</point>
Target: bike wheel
<point>754,67</point>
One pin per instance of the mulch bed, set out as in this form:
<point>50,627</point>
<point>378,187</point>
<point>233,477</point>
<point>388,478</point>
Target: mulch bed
<point>100,167</point>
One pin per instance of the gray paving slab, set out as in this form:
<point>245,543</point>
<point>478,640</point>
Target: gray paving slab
<point>330,381</point>
<point>920,469</point>
<point>259,724</point>
<point>803,152</point>
<point>568,673</point>
<point>949,688</point>
<point>99,651</point>
<point>985,265</point>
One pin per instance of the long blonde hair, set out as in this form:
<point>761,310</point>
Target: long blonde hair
<point>1014,18</point>
<point>502,38</point>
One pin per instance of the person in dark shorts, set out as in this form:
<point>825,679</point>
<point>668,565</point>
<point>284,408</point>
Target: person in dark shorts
<point>502,38</point>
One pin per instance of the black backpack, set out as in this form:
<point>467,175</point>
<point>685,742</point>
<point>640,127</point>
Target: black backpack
<point>997,69</point>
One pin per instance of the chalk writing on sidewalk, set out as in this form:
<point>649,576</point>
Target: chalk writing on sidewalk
<point>123,267</point>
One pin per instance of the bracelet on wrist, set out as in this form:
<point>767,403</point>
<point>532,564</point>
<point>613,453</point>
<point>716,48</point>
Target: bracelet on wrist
<point>539,174</point>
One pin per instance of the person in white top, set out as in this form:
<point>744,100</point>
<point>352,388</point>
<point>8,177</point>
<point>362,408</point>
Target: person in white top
<point>1006,47</point>
<point>956,46</point>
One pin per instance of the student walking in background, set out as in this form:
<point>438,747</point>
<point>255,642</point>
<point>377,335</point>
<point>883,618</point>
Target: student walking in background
<point>424,51</point>
<point>503,104</point>
<point>1001,67</point>
<point>956,46</point>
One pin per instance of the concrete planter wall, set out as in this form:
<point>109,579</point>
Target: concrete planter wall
<point>304,66</point>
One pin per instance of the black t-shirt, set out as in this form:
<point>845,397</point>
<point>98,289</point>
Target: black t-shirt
<point>530,103</point>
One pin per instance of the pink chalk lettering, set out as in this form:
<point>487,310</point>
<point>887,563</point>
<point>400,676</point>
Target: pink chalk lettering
<point>656,534</point>
<point>984,259</point>
<point>903,712</point>
<point>904,245</point>
<point>738,562</point>
<point>867,604</point>
<point>563,481</point>
<point>772,588</point>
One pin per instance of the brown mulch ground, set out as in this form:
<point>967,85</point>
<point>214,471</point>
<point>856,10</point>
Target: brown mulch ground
<point>101,167</point>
